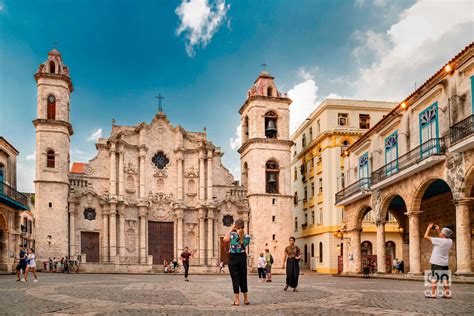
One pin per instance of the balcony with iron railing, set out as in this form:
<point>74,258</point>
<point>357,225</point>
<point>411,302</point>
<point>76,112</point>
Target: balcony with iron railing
<point>420,158</point>
<point>354,191</point>
<point>461,135</point>
<point>77,180</point>
<point>12,197</point>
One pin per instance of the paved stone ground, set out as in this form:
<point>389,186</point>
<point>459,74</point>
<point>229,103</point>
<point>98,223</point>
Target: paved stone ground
<point>212,295</point>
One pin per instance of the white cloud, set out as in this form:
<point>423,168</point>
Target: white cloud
<point>235,171</point>
<point>305,74</point>
<point>359,3</point>
<point>334,95</point>
<point>32,156</point>
<point>26,176</point>
<point>236,142</point>
<point>199,20</point>
<point>304,96</point>
<point>95,135</point>
<point>373,45</point>
<point>426,36</point>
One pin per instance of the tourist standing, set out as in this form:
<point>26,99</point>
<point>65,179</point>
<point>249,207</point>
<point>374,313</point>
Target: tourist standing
<point>292,259</point>
<point>439,256</point>
<point>21,266</point>
<point>221,267</point>
<point>238,260</point>
<point>185,259</point>
<point>261,265</point>
<point>31,265</point>
<point>269,260</point>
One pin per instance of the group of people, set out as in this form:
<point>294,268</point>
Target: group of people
<point>61,265</point>
<point>170,266</point>
<point>239,241</point>
<point>26,263</point>
<point>398,266</point>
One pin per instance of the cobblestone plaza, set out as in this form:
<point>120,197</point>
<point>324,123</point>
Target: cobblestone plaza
<point>115,294</point>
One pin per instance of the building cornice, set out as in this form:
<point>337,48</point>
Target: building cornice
<point>264,141</point>
<point>54,122</point>
<point>284,100</point>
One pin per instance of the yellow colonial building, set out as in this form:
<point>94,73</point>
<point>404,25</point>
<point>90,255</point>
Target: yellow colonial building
<point>317,174</point>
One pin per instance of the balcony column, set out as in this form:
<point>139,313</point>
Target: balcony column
<point>463,237</point>
<point>381,267</point>
<point>345,258</point>
<point>414,240</point>
<point>356,250</point>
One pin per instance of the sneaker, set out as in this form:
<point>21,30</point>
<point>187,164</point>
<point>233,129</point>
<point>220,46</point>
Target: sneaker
<point>23,280</point>
<point>35,280</point>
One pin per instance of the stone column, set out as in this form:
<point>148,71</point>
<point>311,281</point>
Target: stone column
<point>113,231</point>
<point>142,172</point>
<point>209,175</point>
<point>105,235</point>
<point>121,209</point>
<point>72,231</point>
<point>179,230</point>
<point>345,258</point>
<point>381,268</point>
<point>202,238</point>
<point>210,233</point>
<point>414,239</point>
<point>202,176</point>
<point>179,162</point>
<point>113,170</point>
<point>216,239</point>
<point>356,251</point>
<point>143,214</point>
<point>463,237</point>
<point>120,173</point>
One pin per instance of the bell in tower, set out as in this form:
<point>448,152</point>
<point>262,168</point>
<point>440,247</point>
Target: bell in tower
<point>270,130</point>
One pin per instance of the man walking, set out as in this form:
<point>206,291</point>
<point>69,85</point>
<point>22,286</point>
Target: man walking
<point>440,256</point>
<point>21,266</point>
<point>185,259</point>
<point>269,259</point>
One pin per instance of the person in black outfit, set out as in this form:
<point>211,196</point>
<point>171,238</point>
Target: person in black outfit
<point>185,258</point>
<point>21,266</point>
<point>238,260</point>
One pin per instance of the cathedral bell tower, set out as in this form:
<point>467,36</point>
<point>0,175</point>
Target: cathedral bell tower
<point>53,137</point>
<point>265,157</point>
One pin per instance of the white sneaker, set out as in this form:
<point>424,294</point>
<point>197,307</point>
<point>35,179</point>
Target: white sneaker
<point>35,280</point>
<point>23,280</point>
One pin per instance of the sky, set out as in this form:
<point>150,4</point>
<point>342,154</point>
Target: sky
<point>203,56</point>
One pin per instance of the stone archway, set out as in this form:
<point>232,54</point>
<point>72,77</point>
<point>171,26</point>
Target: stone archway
<point>433,202</point>
<point>3,243</point>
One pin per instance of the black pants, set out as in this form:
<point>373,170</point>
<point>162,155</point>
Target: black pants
<point>292,272</point>
<point>261,273</point>
<point>186,268</point>
<point>238,272</point>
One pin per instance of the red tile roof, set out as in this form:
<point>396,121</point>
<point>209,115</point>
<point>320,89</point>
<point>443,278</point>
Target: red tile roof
<point>78,167</point>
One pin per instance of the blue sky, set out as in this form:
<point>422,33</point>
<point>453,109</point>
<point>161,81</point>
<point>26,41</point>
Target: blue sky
<point>203,55</point>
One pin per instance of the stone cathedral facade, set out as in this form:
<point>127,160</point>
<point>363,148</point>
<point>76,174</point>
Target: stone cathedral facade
<point>154,188</point>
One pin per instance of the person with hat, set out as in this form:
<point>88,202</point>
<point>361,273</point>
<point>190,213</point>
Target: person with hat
<point>439,256</point>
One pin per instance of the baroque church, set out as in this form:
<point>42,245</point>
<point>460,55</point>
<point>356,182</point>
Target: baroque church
<point>154,188</point>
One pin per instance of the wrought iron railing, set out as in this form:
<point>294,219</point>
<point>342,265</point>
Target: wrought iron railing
<point>354,188</point>
<point>432,147</point>
<point>13,194</point>
<point>461,130</point>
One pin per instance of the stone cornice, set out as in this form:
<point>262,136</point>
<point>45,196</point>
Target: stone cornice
<point>284,100</point>
<point>263,140</point>
<point>54,122</point>
<point>39,75</point>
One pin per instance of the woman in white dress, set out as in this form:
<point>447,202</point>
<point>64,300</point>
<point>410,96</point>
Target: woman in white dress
<point>31,265</point>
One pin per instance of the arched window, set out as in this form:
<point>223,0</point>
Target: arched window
<point>50,159</point>
<point>312,250</point>
<point>52,67</point>
<point>245,129</point>
<point>271,130</point>
<point>320,252</point>
<point>305,253</point>
<point>270,91</point>
<point>272,172</point>
<point>245,175</point>
<point>51,108</point>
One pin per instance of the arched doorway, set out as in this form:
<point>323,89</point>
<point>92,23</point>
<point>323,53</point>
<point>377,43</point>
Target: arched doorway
<point>366,248</point>
<point>436,206</point>
<point>3,243</point>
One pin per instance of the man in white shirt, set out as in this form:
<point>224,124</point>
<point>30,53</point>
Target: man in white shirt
<point>439,256</point>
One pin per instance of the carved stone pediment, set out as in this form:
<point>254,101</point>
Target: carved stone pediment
<point>130,169</point>
<point>162,215</point>
<point>160,173</point>
<point>160,198</point>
